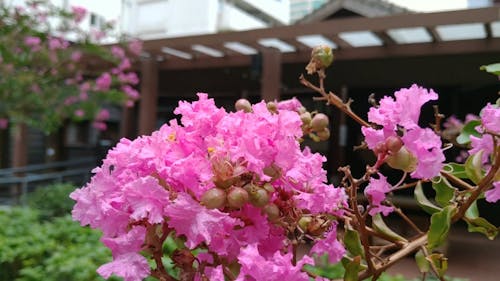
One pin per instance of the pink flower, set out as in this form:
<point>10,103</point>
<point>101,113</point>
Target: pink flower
<point>135,47</point>
<point>376,192</point>
<point>425,145</point>
<point>484,143</point>
<point>330,245</point>
<point>130,92</point>
<point>146,199</point>
<point>404,111</point>
<point>493,195</point>
<point>323,199</point>
<point>130,78</point>
<point>57,43</point>
<point>279,267</point>
<point>124,64</point>
<point>4,123</point>
<point>79,13</point>
<point>130,266</point>
<point>291,104</point>
<point>490,116</point>
<point>103,82</point>
<point>198,223</point>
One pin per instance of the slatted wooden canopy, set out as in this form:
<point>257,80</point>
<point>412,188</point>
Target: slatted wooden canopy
<point>406,35</point>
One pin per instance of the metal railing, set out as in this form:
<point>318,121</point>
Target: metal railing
<point>15,183</point>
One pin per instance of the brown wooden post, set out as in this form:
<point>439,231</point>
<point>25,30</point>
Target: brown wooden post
<point>127,123</point>
<point>271,74</point>
<point>20,145</point>
<point>148,105</point>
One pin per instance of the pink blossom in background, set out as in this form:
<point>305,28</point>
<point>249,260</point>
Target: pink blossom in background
<point>135,47</point>
<point>33,42</point>
<point>493,195</point>
<point>129,103</point>
<point>118,52</point>
<point>103,82</point>
<point>376,192</point>
<point>4,123</point>
<point>79,13</point>
<point>79,113</point>
<point>130,78</point>
<point>101,126</point>
<point>130,92</point>
<point>76,56</point>
<point>57,43</point>
<point>103,114</point>
<point>124,64</point>
<point>97,34</point>
<point>490,116</point>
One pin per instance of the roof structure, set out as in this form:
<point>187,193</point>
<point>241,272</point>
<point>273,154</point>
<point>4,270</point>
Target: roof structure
<point>346,8</point>
<point>456,32</point>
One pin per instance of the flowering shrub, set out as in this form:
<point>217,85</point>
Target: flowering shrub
<point>48,72</point>
<point>243,201</point>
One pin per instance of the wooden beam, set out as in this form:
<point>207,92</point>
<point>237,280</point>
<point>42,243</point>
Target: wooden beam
<point>271,75</point>
<point>332,27</point>
<point>148,105</point>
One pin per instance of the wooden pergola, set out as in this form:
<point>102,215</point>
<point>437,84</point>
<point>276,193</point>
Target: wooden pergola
<point>475,31</point>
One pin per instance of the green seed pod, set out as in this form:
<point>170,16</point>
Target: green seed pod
<point>214,198</point>
<point>237,197</point>
<point>319,122</point>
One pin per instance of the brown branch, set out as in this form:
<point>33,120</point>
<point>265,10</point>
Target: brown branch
<point>333,99</point>
<point>407,219</point>
<point>456,180</point>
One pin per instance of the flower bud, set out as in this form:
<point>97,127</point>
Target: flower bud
<point>243,104</point>
<point>214,198</point>
<point>393,144</point>
<point>319,122</point>
<point>379,148</point>
<point>269,187</point>
<point>321,58</point>
<point>304,223</point>
<point>272,107</point>
<point>259,197</point>
<point>323,135</point>
<point>272,211</point>
<point>402,160</point>
<point>237,197</point>
<point>306,118</point>
<point>301,110</point>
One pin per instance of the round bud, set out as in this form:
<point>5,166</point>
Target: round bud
<point>214,198</point>
<point>243,104</point>
<point>402,160</point>
<point>319,122</point>
<point>306,118</point>
<point>259,197</point>
<point>323,55</point>
<point>393,144</point>
<point>272,107</point>
<point>237,197</point>
<point>323,135</point>
<point>304,223</point>
<point>272,211</point>
<point>301,110</point>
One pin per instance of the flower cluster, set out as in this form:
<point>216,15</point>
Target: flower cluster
<point>399,141</point>
<point>235,184</point>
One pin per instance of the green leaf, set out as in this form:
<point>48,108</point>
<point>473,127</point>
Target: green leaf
<point>483,226</point>
<point>440,262</point>
<point>445,192</point>
<point>352,269</point>
<point>473,167</point>
<point>468,130</point>
<point>472,212</point>
<point>456,169</point>
<point>352,241</point>
<point>380,226</point>
<point>440,226</point>
<point>422,262</point>
<point>491,68</point>
<point>423,202</point>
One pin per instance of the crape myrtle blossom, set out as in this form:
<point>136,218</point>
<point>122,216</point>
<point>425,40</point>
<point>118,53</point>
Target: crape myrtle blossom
<point>222,181</point>
<point>376,192</point>
<point>400,140</point>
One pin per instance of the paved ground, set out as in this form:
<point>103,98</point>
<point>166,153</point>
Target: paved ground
<point>470,255</point>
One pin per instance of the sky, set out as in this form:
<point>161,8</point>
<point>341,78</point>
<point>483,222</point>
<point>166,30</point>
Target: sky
<point>434,5</point>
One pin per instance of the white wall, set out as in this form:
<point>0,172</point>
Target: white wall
<point>277,9</point>
<point>232,18</point>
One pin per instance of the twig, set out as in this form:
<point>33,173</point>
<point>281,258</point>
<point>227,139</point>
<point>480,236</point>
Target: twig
<point>407,220</point>
<point>456,180</point>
